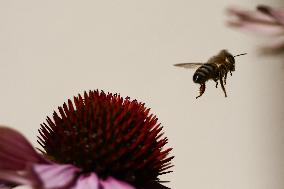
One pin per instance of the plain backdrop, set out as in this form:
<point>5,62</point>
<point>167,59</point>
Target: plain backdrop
<point>53,50</point>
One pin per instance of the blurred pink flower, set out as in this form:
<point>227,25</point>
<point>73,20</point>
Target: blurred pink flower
<point>103,142</point>
<point>264,20</point>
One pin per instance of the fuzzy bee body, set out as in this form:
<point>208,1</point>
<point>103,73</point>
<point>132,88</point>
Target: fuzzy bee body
<point>216,68</point>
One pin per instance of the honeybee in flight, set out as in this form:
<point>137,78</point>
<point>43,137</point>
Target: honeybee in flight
<point>216,68</point>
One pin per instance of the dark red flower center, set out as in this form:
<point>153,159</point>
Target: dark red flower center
<point>108,135</point>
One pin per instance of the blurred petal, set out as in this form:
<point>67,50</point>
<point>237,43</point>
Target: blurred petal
<point>15,178</point>
<point>274,47</point>
<point>277,14</point>
<point>88,182</point>
<point>4,186</point>
<point>55,176</point>
<point>252,16</point>
<point>112,183</point>
<point>256,27</point>
<point>15,151</point>
<point>254,21</point>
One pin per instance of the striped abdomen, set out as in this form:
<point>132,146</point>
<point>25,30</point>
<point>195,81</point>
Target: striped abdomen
<point>205,72</point>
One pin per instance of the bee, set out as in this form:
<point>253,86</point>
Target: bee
<point>216,68</point>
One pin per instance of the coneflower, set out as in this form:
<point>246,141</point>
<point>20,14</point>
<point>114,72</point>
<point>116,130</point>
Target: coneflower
<point>96,141</point>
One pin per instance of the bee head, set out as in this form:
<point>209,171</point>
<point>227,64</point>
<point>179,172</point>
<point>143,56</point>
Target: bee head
<point>231,61</point>
<point>228,58</point>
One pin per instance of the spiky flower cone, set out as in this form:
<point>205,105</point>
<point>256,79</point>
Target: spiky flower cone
<point>108,135</point>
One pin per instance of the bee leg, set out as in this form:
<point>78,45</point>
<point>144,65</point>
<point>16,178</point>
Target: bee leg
<point>222,85</point>
<point>231,73</point>
<point>216,81</point>
<point>201,90</point>
<point>225,78</point>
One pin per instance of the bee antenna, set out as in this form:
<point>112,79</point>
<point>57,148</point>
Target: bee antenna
<point>240,54</point>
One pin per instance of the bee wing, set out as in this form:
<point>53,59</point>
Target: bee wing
<point>189,65</point>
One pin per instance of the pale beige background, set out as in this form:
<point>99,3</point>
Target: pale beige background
<point>52,50</point>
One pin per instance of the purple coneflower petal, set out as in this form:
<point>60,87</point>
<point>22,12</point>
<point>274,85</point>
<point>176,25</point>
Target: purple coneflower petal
<point>274,47</point>
<point>256,27</point>
<point>16,158</point>
<point>20,165</point>
<point>55,176</point>
<point>91,181</point>
<point>16,153</point>
<point>251,16</point>
<point>15,178</point>
<point>87,182</point>
<point>277,14</point>
<point>254,21</point>
<point>112,183</point>
<point>4,186</point>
